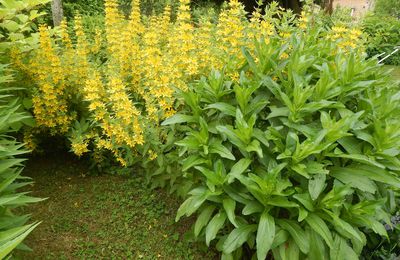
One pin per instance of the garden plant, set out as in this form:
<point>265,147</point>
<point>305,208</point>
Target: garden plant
<point>15,23</point>
<point>276,129</point>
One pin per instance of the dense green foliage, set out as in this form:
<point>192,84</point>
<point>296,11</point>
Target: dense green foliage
<point>388,8</point>
<point>295,159</point>
<point>290,149</point>
<point>384,36</point>
<point>382,27</point>
<point>13,228</point>
<point>15,24</point>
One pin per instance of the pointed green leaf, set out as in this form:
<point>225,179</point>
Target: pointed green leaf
<point>216,223</point>
<point>319,226</point>
<point>237,169</point>
<point>203,219</point>
<point>221,150</point>
<point>265,235</point>
<point>229,206</point>
<point>237,238</point>
<point>178,119</point>
<point>297,233</point>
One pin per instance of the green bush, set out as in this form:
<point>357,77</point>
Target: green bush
<point>388,8</point>
<point>15,26</point>
<point>382,27</point>
<point>297,158</point>
<point>13,228</point>
<point>383,35</point>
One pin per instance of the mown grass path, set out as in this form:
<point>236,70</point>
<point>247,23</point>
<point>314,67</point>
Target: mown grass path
<point>103,217</point>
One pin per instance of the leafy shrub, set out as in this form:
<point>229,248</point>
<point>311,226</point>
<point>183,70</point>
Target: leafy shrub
<point>340,15</point>
<point>73,75</point>
<point>15,25</point>
<point>295,138</point>
<point>383,35</point>
<point>13,228</point>
<point>296,158</point>
<point>388,8</point>
<point>122,81</point>
<point>389,248</point>
<point>206,10</point>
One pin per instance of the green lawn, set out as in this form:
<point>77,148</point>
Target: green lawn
<point>103,217</point>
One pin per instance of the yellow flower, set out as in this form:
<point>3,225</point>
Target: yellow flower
<point>79,148</point>
<point>152,155</point>
<point>283,56</point>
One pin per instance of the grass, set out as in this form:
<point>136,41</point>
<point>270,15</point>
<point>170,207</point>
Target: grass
<point>103,217</point>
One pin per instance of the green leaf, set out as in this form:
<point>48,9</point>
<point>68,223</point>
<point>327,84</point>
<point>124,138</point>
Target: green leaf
<point>27,103</point>
<point>29,121</point>
<point>260,136</point>
<point>265,235</point>
<point>374,173</point>
<point>9,199</point>
<point>305,199</point>
<point>279,112</point>
<point>359,158</point>
<point>227,257</point>
<point>254,146</point>
<point>8,163</point>
<point>282,202</point>
<point>292,251</point>
<point>212,177</point>
<point>281,237</point>
<point>303,213</point>
<point>189,142</point>
<point>5,183</point>
<point>221,150</point>
<point>12,233</point>
<point>18,237</point>
<point>239,168</point>
<point>191,161</point>
<point>229,206</point>
<point>317,250</point>
<point>346,229</point>
<point>354,180</point>
<point>203,219</point>
<point>316,185</point>
<point>237,238</point>
<point>178,119</point>
<point>11,26</point>
<point>190,205</point>
<point>216,223</point>
<point>287,251</point>
<point>341,250</point>
<point>224,108</point>
<point>319,226</point>
<point>231,134</point>
<point>252,207</point>
<point>297,233</point>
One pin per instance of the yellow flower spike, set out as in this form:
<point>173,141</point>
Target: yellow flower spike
<point>49,101</point>
<point>113,26</point>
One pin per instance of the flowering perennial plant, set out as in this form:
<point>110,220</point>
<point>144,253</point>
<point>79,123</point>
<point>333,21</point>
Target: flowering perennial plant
<point>289,147</point>
<point>298,158</point>
<point>124,80</point>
